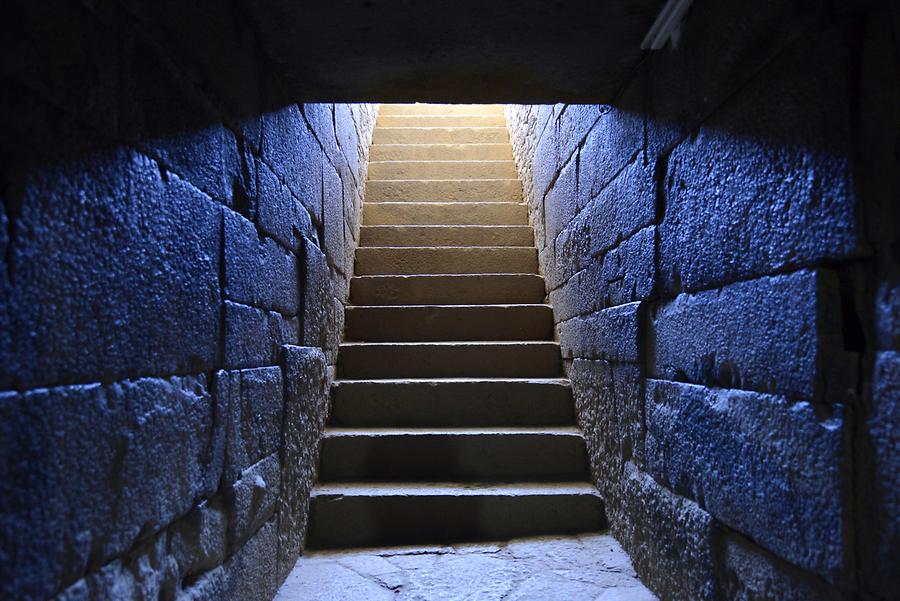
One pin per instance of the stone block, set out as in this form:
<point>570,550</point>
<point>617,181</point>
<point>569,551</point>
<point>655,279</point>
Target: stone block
<point>254,336</point>
<point>333,219</point>
<point>545,163</point>
<point>573,123</point>
<point>133,290</point>
<point>251,500</point>
<point>291,150</point>
<point>347,137</point>
<point>561,203</point>
<point>320,117</point>
<point>671,541</point>
<point>88,470</point>
<point>169,117</point>
<point>306,411</point>
<point>778,334</point>
<point>254,399</point>
<point>198,541</point>
<point>278,213</point>
<point>621,208</point>
<point>881,503</point>
<point>623,275</point>
<point>773,470</point>
<point>750,573</point>
<point>612,143</point>
<point>887,315</point>
<point>766,184</point>
<point>317,294</point>
<point>258,271</point>
<point>608,404</point>
<point>610,334</point>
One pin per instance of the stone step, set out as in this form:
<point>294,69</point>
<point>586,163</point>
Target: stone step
<point>455,454</point>
<point>440,135</point>
<point>446,235</point>
<point>444,213</point>
<point>388,360</point>
<point>451,403</point>
<point>373,514</point>
<point>441,121</point>
<point>441,152</point>
<point>446,289</point>
<point>392,170</point>
<point>388,323</point>
<point>440,109</point>
<point>443,190</point>
<point>393,260</point>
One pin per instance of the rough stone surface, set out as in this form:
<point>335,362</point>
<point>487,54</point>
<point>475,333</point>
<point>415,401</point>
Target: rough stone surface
<point>132,290</point>
<point>253,400</point>
<point>779,334</point>
<point>90,469</point>
<point>752,574</point>
<point>584,567</point>
<point>253,337</point>
<point>305,411</point>
<point>772,469</point>
<point>607,334</point>
<point>671,540</point>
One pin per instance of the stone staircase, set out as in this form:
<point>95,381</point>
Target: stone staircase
<point>451,419</point>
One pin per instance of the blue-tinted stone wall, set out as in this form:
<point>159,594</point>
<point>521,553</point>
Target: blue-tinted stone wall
<point>175,250</point>
<point>720,249</point>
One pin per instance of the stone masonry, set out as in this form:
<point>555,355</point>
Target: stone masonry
<point>172,277</point>
<point>723,277</point>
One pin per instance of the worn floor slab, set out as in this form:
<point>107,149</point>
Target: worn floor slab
<point>590,567</point>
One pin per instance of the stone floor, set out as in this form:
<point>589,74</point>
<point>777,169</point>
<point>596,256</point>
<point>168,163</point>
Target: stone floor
<point>590,567</point>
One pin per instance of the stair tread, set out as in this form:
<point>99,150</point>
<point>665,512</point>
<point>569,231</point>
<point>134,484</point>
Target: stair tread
<point>453,489</point>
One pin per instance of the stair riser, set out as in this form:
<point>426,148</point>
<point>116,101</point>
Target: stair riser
<point>476,289</point>
<point>426,170</point>
<point>493,190</point>
<point>440,135</point>
<point>386,324</point>
<point>375,260</point>
<point>441,152</point>
<point>449,361</point>
<point>441,121</point>
<point>450,404</point>
<point>446,236</point>
<point>407,213</point>
<point>453,458</point>
<point>441,109</point>
<point>353,521</point>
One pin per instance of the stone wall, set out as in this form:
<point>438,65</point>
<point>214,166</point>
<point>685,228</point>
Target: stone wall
<point>720,248</point>
<point>175,249</point>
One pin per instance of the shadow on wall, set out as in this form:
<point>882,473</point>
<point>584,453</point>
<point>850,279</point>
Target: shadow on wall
<point>720,246</point>
<point>170,220</point>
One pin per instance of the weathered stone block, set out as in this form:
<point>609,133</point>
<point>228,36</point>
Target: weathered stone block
<point>766,183</point>
<point>881,524</point>
<point>88,470</point>
<point>254,399</point>
<point>333,201</point>
<point>607,334</point>
<point>671,540</point>
<point>306,410</point>
<point>134,289</point>
<point>573,123</point>
<point>258,271</point>
<point>346,136</point>
<point>621,208</point>
<point>254,336</point>
<point>608,403</point>
<point>318,320</point>
<point>320,117</point>
<point>278,213</point>
<point>623,275</point>
<point>774,470</point>
<point>561,203</point>
<point>291,150</point>
<point>251,499</point>
<point>750,573</point>
<point>778,334</point>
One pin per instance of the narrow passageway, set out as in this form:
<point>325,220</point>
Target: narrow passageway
<point>452,420</point>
